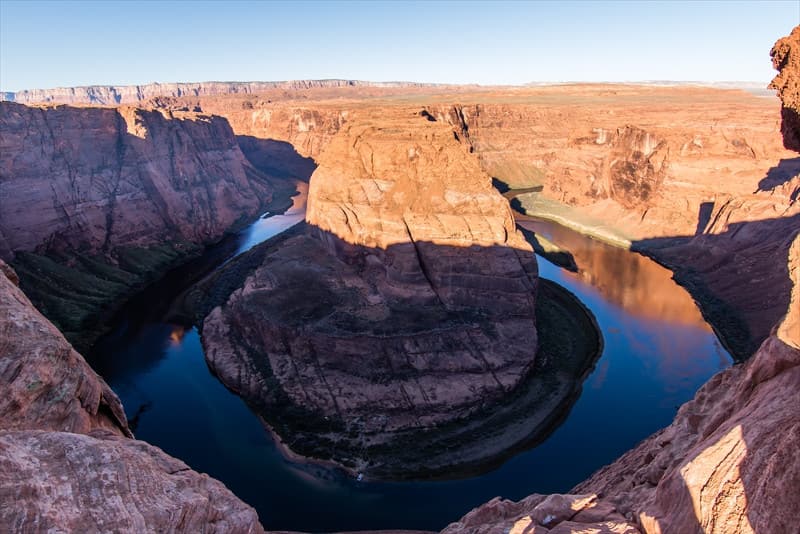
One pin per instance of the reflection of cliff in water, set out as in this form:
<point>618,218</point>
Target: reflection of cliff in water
<point>634,282</point>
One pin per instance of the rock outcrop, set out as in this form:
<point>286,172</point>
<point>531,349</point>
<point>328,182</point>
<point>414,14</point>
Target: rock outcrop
<point>46,383</point>
<point>786,60</point>
<point>94,179</point>
<point>544,514</point>
<point>395,336</point>
<point>67,461</point>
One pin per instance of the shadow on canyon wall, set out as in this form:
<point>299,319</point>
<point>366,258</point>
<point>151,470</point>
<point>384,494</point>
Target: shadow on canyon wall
<point>780,174</point>
<point>276,158</point>
<point>739,277</point>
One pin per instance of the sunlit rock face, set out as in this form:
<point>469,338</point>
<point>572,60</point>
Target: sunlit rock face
<point>786,60</point>
<point>93,179</point>
<point>407,309</point>
<point>67,461</point>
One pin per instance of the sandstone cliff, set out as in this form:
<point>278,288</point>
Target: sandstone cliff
<point>95,202</point>
<point>786,60</point>
<point>711,195</point>
<point>401,327</point>
<point>94,179</point>
<point>67,462</point>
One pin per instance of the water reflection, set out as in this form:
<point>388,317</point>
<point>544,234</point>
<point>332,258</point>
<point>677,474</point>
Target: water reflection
<point>632,281</point>
<point>268,226</point>
<point>657,352</point>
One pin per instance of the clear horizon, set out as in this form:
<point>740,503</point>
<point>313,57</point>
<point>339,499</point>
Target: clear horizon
<point>46,44</point>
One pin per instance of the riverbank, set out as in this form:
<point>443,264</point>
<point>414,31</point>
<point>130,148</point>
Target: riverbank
<point>81,293</point>
<point>707,265</point>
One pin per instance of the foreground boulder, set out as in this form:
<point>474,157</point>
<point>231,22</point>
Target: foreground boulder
<point>101,482</point>
<point>67,461</point>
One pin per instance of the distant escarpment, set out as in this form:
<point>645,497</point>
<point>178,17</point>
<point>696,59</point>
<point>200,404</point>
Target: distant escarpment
<point>95,201</point>
<point>111,95</point>
<point>67,460</point>
<point>397,335</point>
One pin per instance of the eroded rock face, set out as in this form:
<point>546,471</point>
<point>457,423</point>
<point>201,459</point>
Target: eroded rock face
<point>544,514</point>
<point>60,481</point>
<point>67,462</point>
<point>94,179</point>
<point>727,457</point>
<point>786,60</point>
<point>408,307</point>
<point>46,383</point>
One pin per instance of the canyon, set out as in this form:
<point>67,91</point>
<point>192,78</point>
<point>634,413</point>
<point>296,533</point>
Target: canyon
<point>95,202</point>
<point>405,314</point>
<point>409,268</point>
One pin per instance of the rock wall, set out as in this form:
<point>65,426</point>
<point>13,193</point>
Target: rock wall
<point>67,460</point>
<point>94,179</point>
<point>786,60</point>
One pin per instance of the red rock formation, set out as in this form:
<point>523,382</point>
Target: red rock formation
<point>404,315</point>
<point>46,383</point>
<point>67,462</point>
<point>94,179</point>
<point>786,60</point>
<point>65,482</point>
<point>544,514</point>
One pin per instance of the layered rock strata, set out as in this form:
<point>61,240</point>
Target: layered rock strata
<point>67,461</point>
<point>95,179</point>
<point>138,94</point>
<point>655,166</point>
<point>95,202</point>
<point>405,312</point>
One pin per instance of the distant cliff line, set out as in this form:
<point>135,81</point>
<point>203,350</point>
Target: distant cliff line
<point>132,94</point>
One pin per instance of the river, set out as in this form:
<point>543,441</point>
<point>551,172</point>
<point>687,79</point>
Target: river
<point>658,350</point>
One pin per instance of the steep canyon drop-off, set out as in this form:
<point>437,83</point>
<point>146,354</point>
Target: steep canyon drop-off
<point>721,466</point>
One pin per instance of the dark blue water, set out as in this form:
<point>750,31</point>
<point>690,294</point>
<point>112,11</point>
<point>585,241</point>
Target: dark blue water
<point>658,351</point>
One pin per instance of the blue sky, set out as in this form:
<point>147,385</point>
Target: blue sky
<point>50,44</point>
